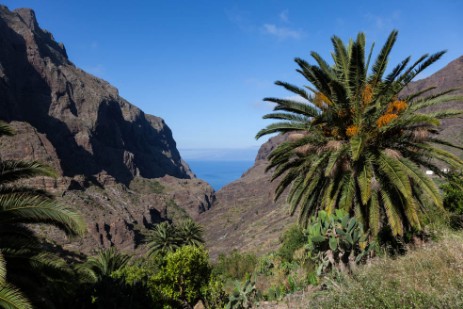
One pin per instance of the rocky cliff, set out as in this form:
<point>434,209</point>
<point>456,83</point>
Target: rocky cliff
<point>106,150</point>
<point>246,217</point>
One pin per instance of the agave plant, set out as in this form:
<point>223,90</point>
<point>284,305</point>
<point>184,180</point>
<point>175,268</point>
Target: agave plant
<point>357,143</point>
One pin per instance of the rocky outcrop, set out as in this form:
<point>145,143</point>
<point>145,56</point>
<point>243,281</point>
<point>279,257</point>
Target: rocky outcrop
<point>116,165</point>
<point>92,129</point>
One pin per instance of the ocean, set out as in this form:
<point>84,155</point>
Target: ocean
<point>219,173</point>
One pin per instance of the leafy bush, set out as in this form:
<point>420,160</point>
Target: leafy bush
<point>292,240</point>
<point>235,265</point>
<point>453,192</point>
<point>335,241</point>
<point>180,281</point>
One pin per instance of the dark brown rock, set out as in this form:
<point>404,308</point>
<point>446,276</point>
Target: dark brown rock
<point>118,166</point>
<point>91,128</point>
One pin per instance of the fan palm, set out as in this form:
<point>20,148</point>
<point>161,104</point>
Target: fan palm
<point>27,260</point>
<point>356,143</point>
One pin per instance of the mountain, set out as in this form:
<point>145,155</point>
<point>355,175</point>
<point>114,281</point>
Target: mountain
<point>244,215</point>
<point>119,166</point>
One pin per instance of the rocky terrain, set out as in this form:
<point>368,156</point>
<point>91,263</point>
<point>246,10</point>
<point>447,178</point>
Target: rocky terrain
<point>117,165</point>
<point>245,216</point>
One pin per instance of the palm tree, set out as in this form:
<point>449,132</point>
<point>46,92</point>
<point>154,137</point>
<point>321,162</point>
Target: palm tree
<point>163,239</point>
<point>190,233</point>
<point>10,297</point>
<point>356,143</point>
<point>167,237</point>
<point>103,264</point>
<point>29,265</point>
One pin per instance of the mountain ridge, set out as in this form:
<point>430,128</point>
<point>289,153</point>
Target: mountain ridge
<point>116,165</point>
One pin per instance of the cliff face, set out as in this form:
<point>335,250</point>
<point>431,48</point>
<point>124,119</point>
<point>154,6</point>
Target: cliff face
<point>246,217</point>
<point>92,129</point>
<point>106,150</point>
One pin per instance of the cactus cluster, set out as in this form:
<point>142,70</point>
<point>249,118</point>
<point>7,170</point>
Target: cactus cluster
<point>243,296</point>
<point>336,241</point>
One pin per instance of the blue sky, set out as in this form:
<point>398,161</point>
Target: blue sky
<point>205,66</point>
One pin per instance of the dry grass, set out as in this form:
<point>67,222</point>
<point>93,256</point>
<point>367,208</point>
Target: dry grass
<point>428,277</point>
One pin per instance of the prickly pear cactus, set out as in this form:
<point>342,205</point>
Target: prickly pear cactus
<point>243,296</point>
<point>336,241</point>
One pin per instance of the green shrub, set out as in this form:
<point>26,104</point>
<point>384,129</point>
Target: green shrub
<point>180,281</point>
<point>291,240</point>
<point>235,265</point>
<point>453,198</point>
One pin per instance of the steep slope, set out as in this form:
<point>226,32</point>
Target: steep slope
<point>244,215</point>
<point>106,150</point>
<point>92,128</point>
<point>449,77</point>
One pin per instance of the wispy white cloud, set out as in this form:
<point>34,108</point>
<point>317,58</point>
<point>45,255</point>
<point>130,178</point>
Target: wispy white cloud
<point>94,45</point>
<point>282,33</point>
<point>383,22</point>
<point>258,83</point>
<point>97,70</point>
<point>241,20</point>
<point>284,16</point>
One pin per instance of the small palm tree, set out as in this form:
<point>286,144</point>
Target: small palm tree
<point>167,237</point>
<point>191,233</point>
<point>356,143</point>
<point>28,263</point>
<point>163,239</point>
<point>103,264</point>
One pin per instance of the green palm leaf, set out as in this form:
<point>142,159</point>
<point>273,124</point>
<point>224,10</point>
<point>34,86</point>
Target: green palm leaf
<point>361,146</point>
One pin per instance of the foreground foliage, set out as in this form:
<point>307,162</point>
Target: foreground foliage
<point>25,260</point>
<point>429,277</point>
<point>355,143</point>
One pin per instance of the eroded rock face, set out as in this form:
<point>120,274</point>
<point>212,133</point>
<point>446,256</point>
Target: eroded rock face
<point>117,166</point>
<point>92,129</point>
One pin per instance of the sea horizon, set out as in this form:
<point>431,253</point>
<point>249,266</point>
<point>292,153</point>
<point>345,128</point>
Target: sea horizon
<point>219,173</point>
